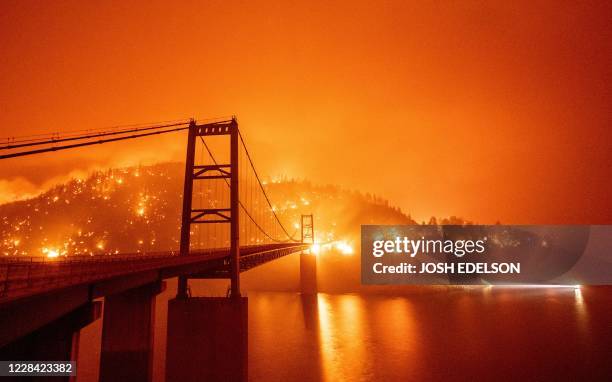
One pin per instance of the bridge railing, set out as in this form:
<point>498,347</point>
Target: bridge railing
<point>81,258</point>
<point>28,275</point>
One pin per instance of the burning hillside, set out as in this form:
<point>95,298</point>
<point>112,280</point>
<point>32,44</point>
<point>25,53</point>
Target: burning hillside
<point>138,209</point>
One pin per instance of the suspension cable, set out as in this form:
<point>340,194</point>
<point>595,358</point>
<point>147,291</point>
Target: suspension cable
<point>242,205</point>
<point>263,190</point>
<point>95,142</point>
<point>52,140</point>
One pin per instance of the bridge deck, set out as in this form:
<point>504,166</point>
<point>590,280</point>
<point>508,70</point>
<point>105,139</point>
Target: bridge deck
<point>21,277</point>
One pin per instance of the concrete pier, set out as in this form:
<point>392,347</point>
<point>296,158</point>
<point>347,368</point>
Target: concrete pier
<point>207,339</point>
<point>127,334</point>
<point>308,273</point>
<point>56,341</point>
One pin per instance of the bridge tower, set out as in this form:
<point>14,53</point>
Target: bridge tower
<point>307,228</point>
<point>308,261</point>
<point>216,326</point>
<point>195,172</point>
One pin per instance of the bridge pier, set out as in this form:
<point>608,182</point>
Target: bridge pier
<point>56,341</point>
<point>207,339</point>
<point>127,334</point>
<point>308,273</point>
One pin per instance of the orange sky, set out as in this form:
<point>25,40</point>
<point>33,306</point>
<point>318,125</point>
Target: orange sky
<point>489,111</point>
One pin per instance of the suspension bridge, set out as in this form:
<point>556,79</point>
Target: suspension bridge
<point>228,226</point>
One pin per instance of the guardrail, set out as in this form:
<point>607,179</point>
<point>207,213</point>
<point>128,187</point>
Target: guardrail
<point>21,276</point>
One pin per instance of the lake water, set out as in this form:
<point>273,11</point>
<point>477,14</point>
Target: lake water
<point>422,334</point>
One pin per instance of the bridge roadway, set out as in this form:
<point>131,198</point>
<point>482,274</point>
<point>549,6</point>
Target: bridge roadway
<point>34,291</point>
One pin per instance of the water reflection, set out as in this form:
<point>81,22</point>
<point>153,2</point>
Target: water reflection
<point>310,312</point>
<point>423,333</point>
<point>582,314</point>
<point>364,338</point>
<point>344,343</point>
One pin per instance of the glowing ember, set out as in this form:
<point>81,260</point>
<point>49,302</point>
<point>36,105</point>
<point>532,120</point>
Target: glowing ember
<point>344,248</point>
<point>50,253</point>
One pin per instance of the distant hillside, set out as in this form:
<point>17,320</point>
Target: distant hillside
<point>138,210</point>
